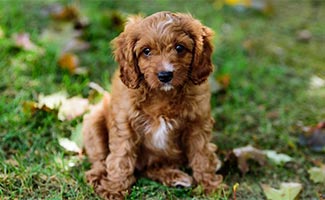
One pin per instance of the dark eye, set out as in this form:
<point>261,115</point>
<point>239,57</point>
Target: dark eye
<point>180,48</point>
<point>146,51</point>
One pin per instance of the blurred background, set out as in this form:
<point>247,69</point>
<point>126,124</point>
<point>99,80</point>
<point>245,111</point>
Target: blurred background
<point>268,91</point>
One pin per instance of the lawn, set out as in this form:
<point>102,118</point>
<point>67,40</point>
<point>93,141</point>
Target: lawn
<point>263,93</point>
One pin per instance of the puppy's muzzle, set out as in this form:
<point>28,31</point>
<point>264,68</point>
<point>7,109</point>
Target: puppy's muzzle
<point>165,76</point>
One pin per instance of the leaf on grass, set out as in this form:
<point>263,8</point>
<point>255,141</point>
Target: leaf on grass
<point>2,33</point>
<point>262,6</point>
<point>277,158</point>
<point>317,174</point>
<point>314,137</point>
<point>76,135</point>
<point>287,191</point>
<point>23,41</point>
<point>246,153</point>
<point>67,13</point>
<point>75,45</point>
<point>72,108</point>
<point>52,101</point>
<point>69,61</point>
<point>69,145</point>
<point>316,82</point>
<point>304,36</point>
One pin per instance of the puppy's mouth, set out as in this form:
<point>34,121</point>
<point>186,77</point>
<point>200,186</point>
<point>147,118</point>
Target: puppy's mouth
<point>166,87</point>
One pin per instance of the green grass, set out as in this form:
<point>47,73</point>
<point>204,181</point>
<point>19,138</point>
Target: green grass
<point>268,98</point>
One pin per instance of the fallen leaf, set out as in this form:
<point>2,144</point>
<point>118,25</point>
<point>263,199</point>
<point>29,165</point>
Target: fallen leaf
<point>72,108</point>
<point>69,145</point>
<point>316,82</point>
<point>317,174</point>
<point>314,137</point>
<point>304,36</point>
<point>76,135</point>
<point>69,61</point>
<point>2,33</point>
<point>23,41</point>
<point>60,35</point>
<point>262,6</point>
<point>246,153</point>
<point>277,158</point>
<point>287,191</point>
<point>67,13</point>
<point>224,80</point>
<point>52,101</point>
<point>75,45</point>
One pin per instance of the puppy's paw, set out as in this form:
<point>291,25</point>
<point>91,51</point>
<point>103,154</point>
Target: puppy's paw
<point>209,181</point>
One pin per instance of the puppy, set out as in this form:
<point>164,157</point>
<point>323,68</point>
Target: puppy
<point>158,117</point>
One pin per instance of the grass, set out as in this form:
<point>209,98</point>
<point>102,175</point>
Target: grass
<point>266,102</point>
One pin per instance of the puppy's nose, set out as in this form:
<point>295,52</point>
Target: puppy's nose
<point>165,76</point>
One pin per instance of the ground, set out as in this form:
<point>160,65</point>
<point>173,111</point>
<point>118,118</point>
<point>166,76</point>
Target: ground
<point>263,66</point>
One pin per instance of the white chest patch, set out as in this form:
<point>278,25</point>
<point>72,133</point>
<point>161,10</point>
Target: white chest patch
<point>160,136</point>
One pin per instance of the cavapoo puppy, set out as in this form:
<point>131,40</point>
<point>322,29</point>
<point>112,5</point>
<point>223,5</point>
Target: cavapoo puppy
<point>157,118</point>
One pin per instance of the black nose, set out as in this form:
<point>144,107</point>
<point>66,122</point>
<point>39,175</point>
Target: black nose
<point>165,76</point>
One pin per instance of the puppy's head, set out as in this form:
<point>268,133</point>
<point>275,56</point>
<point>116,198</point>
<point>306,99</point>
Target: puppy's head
<point>164,51</point>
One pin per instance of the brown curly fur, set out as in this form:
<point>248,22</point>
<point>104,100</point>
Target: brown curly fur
<point>151,127</point>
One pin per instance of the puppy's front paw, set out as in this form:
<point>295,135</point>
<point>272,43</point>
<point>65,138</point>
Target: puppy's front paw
<point>209,181</point>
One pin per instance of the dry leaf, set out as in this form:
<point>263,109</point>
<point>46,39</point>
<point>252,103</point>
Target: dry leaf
<point>263,6</point>
<point>72,108</point>
<point>66,13</point>
<point>246,153</point>
<point>76,135</point>
<point>52,101</point>
<point>317,174</point>
<point>287,191</point>
<point>314,137</point>
<point>2,33</point>
<point>316,82</point>
<point>69,145</point>
<point>304,36</point>
<point>69,61</point>
<point>22,41</point>
<point>224,80</point>
<point>75,45</point>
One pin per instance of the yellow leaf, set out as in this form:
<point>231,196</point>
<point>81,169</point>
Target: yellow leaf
<point>317,174</point>
<point>2,33</point>
<point>287,191</point>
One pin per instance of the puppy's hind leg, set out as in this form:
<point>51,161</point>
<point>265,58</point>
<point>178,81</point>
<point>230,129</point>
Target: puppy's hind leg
<point>95,136</point>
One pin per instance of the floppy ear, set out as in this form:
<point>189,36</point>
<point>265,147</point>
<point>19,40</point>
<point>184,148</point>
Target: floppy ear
<point>124,54</point>
<point>202,65</point>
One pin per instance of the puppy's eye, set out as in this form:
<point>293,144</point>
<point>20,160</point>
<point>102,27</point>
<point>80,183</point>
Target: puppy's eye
<point>146,51</point>
<point>180,48</point>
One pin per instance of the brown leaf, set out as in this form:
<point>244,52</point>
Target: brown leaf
<point>246,153</point>
<point>67,13</point>
<point>69,61</point>
<point>224,80</point>
<point>314,137</point>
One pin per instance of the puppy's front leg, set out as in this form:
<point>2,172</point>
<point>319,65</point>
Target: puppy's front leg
<point>120,163</point>
<point>202,157</point>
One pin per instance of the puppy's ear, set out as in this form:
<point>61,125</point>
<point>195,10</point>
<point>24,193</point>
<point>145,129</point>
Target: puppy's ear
<point>124,54</point>
<point>202,65</point>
